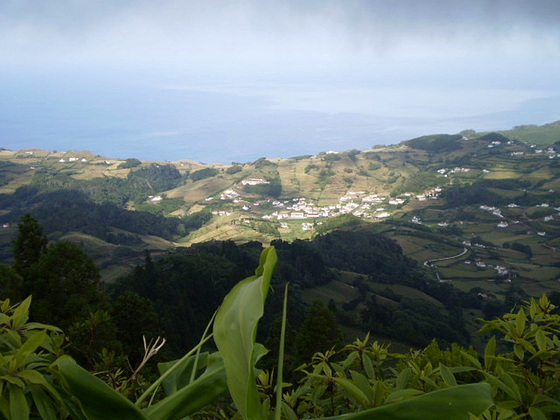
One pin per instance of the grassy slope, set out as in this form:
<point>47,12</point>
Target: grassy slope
<point>544,134</point>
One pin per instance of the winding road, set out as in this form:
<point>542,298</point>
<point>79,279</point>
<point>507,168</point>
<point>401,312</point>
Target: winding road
<point>429,263</point>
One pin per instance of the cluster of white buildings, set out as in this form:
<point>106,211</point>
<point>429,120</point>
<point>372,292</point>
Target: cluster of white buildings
<point>446,171</point>
<point>550,152</point>
<point>75,159</point>
<point>505,224</point>
<point>491,209</point>
<point>433,194</point>
<point>496,143</point>
<point>358,203</point>
<point>254,181</point>
<point>229,194</point>
<point>500,269</point>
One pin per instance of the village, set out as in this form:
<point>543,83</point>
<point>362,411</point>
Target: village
<point>363,204</point>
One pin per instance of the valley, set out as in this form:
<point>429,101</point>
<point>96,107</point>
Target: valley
<point>433,195</point>
<point>455,227</point>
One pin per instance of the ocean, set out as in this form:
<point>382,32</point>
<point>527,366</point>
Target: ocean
<point>166,122</point>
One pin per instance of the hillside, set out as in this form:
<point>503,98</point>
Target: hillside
<point>436,195</point>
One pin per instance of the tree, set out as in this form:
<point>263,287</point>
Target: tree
<point>65,285</point>
<point>29,245</point>
<point>319,332</point>
<point>134,317</point>
<point>11,283</point>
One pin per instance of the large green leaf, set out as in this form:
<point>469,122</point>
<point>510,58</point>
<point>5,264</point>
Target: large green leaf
<point>99,401</point>
<point>19,409</point>
<point>21,314</point>
<point>203,391</point>
<point>453,403</point>
<point>235,329</point>
<point>44,404</point>
<point>182,373</point>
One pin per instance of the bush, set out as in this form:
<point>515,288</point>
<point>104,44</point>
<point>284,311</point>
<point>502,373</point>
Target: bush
<point>130,163</point>
<point>331,157</point>
<point>28,353</point>
<point>234,169</point>
<point>203,174</point>
<point>436,142</point>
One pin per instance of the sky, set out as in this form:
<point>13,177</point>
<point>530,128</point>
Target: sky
<point>236,80</point>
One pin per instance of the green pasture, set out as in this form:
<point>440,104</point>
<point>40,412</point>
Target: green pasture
<point>404,291</point>
<point>113,272</point>
<point>480,229</point>
<point>501,174</point>
<point>338,291</point>
<point>17,179</point>
<point>544,134</point>
<point>540,174</point>
<point>114,260</point>
<point>512,255</point>
<point>513,212</point>
<point>193,192</point>
<point>488,286</point>
<point>537,288</point>
<point>422,249</point>
<point>430,214</point>
<point>498,235</point>
<point>553,184</point>
<point>539,273</point>
<point>511,194</point>
<point>466,272</point>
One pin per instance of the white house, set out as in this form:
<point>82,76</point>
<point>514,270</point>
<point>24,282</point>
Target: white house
<point>254,181</point>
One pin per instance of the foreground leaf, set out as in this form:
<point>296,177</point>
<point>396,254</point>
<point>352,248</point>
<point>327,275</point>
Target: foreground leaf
<point>182,372</point>
<point>235,329</point>
<point>191,398</point>
<point>453,403</point>
<point>99,401</point>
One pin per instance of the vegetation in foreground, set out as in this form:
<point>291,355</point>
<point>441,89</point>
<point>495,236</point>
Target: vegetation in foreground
<point>516,376</point>
<point>390,296</point>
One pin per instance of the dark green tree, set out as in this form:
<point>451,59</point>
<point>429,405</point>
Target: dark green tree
<point>134,317</point>
<point>65,285</point>
<point>272,343</point>
<point>29,245</point>
<point>319,332</point>
<point>93,335</point>
<point>11,284</point>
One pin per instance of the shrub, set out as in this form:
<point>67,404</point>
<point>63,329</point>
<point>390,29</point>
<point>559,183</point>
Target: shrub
<point>130,163</point>
<point>203,174</point>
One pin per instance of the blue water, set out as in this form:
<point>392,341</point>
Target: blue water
<point>152,122</point>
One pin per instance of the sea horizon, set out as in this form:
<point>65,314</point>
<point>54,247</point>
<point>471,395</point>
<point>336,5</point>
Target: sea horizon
<point>225,125</point>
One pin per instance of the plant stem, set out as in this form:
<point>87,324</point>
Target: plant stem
<point>169,371</point>
<point>195,364</point>
<point>279,379</point>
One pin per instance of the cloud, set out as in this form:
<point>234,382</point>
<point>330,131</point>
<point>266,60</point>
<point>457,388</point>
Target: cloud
<point>284,33</point>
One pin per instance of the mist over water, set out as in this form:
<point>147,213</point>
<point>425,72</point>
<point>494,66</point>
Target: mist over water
<point>225,122</point>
